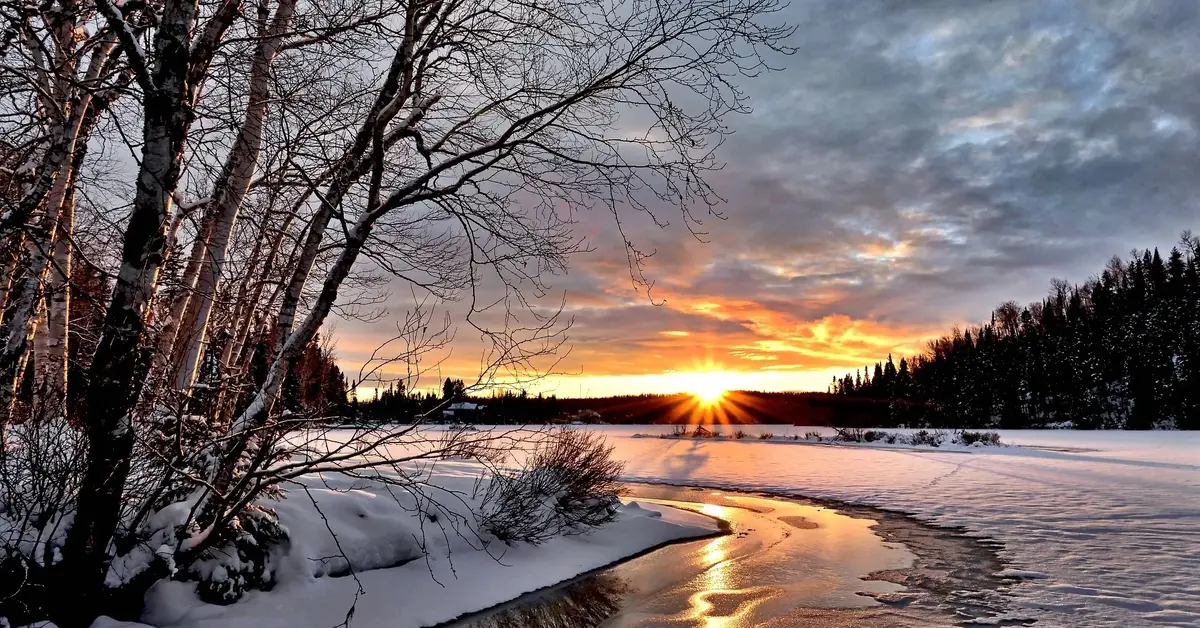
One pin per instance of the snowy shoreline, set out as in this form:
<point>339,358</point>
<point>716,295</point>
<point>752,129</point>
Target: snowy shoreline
<point>397,568</point>
<point>901,440</point>
<point>721,529</point>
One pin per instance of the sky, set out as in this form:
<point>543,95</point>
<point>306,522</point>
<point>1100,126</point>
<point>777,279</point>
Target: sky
<point>915,163</point>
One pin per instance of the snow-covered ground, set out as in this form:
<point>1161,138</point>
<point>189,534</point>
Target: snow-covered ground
<point>383,533</point>
<point>1108,536</point>
<point>1104,527</point>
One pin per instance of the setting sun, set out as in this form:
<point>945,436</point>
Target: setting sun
<point>709,395</point>
<point>708,388</point>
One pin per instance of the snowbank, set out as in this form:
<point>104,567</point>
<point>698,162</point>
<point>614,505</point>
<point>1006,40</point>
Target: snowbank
<point>415,568</point>
<point>916,440</point>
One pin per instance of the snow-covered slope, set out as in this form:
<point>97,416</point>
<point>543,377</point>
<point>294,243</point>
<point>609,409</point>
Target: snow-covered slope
<point>382,534</point>
<point>1105,537</point>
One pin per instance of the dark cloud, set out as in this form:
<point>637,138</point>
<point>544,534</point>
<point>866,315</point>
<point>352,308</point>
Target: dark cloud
<point>917,163</point>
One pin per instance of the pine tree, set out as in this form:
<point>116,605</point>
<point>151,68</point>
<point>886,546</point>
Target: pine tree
<point>1121,350</point>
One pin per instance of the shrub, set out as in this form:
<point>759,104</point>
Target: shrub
<point>679,431</point>
<point>245,562</point>
<point>739,434</point>
<point>568,485</point>
<point>889,438</point>
<point>983,438</point>
<point>702,432</point>
<point>871,436</point>
<point>933,438</point>
<point>766,436</point>
<point>812,436</point>
<point>41,462</point>
<point>848,434</point>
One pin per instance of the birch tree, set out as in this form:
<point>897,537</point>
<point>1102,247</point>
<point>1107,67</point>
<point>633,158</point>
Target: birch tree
<point>435,141</point>
<point>64,72</point>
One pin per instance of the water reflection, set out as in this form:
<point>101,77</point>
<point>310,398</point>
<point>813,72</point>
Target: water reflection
<point>582,604</point>
<point>719,606</point>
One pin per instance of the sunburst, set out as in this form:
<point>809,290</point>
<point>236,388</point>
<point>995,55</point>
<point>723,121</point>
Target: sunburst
<point>707,387</point>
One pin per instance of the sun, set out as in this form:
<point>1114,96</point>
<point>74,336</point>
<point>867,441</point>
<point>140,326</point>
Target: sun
<point>707,388</point>
<point>709,395</point>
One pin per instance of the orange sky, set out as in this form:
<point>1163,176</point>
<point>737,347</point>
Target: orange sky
<point>683,345</point>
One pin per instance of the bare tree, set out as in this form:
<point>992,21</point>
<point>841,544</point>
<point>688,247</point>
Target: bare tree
<point>448,143</point>
<point>65,76</point>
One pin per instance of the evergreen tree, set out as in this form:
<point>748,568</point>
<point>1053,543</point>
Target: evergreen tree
<point>1122,350</point>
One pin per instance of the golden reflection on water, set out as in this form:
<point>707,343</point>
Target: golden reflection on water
<point>717,604</point>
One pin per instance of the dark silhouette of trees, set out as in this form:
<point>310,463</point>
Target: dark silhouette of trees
<point>453,389</point>
<point>1120,351</point>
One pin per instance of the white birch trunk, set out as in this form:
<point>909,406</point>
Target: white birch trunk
<point>169,345</point>
<point>51,353</point>
<point>27,299</point>
<point>228,197</point>
<point>169,89</point>
<point>8,273</point>
<point>28,296</point>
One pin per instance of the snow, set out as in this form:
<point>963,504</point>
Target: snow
<point>415,570</point>
<point>901,439</point>
<point>1099,528</point>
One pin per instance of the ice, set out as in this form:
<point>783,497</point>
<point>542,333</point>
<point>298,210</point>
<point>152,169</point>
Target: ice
<point>1110,521</point>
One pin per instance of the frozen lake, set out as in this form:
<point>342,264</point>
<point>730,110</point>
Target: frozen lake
<point>1109,536</point>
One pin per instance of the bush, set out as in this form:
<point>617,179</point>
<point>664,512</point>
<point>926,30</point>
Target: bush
<point>702,432</point>
<point>679,431</point>
<point>568,485</point>
<point>871,436</point>
<point>848,434</point>
<point>812,436</point>
<point>739,434</point>
<point>246,562</point>
<point>926,437</point>
<point>766,436</point>
<point>41,464</point>
<point>983,438</point>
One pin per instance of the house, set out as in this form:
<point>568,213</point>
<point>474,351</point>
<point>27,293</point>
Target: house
<point>462,411</point>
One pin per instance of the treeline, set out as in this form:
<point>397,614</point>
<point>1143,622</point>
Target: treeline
<point>1120,351</point>
<point>398,404</point>
<point>395,404</point>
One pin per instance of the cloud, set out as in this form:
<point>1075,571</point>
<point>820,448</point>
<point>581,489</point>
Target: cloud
<point>916,163</point>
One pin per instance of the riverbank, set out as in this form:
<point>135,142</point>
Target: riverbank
<point>364,550</point>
